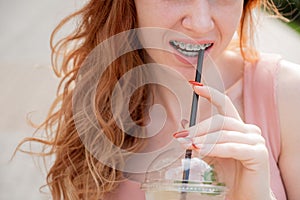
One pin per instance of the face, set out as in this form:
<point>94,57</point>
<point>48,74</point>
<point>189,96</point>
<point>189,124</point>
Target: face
<point>211,22</point>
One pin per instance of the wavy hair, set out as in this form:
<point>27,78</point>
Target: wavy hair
<point>76,173</point>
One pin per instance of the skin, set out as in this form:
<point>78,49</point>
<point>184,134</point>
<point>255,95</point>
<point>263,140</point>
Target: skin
<point>200,20</point>
<point>240,147</point>
<point>289,109</point>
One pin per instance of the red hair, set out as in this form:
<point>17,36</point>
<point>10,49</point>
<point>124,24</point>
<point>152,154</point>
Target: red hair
<point>76,174</point>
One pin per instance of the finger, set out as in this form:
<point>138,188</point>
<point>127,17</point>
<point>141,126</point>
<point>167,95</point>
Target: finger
<point>219,122</point>
<point>221,101</point>
<point>185,143</point>
<point>221,137</point>
<point>242,152</point>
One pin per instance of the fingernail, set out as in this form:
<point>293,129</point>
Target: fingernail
<point>195,83</point>
<point>183,133</point>
<point>203,149</point>
<point>195,146</point>
<point>184,123</point>
<point>200,146</point>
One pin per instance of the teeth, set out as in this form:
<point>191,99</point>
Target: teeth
<point>188,49</point>
<point>181,45</point>
<point>188,53</point>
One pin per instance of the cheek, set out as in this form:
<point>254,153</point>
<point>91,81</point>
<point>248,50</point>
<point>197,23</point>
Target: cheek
<point>146,13</point>
<point>155,13</point>
<point>153,41</point>
<point>154,19</point>
<point>229,20</point>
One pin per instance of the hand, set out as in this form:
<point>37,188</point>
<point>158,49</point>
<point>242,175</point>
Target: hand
<point>238,147</point>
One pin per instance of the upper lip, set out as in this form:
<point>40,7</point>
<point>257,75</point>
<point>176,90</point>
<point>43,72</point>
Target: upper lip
<point>193,41</point>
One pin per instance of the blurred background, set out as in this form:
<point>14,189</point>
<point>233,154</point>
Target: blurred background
<point>290,9</point>
<point>28,85</point>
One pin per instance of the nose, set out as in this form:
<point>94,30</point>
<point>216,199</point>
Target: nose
<point>198,17</point>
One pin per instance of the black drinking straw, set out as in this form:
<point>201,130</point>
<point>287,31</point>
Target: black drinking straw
<point>193,116</point>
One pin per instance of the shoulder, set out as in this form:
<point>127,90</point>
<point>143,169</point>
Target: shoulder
<point>268,61</point>
<point>288,88</point>
<point>289,110</point>
<point>289,95</point>
<point>289,76</point>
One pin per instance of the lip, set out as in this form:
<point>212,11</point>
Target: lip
<point>195,41</point>
<point>190,59</point>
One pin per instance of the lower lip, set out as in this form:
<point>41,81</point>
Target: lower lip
<point>186,59</point>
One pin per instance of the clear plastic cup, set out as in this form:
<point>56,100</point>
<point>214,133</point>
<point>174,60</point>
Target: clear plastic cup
<point>167,183</point>
<point>173,190</point>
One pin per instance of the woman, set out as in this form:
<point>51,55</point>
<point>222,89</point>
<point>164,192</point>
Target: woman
<point>258,128</point>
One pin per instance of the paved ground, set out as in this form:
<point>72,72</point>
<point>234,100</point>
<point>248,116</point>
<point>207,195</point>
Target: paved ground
<point>27,84</point>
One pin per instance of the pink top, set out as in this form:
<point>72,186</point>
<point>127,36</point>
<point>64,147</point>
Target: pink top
<point>260,108</point>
